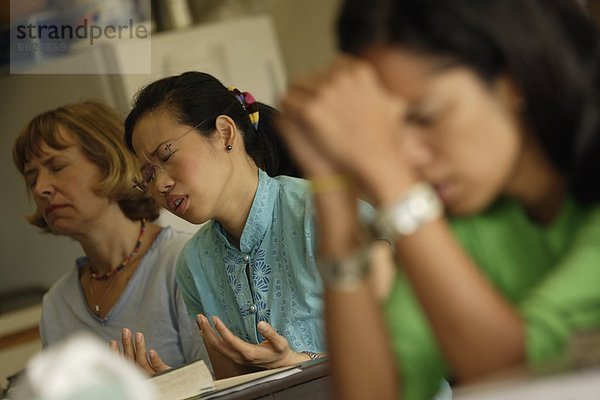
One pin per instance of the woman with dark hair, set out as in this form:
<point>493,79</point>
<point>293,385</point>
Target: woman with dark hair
<point>79,173</point>
<point>487,110</point>
<point>209,155</point>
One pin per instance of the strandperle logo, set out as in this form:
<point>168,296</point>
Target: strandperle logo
<point>91,32</point>
<point>80,37</point>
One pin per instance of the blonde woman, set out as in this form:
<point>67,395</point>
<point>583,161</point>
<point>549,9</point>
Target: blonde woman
<point>80,176</point>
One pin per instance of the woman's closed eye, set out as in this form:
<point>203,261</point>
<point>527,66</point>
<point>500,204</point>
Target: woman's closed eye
<point>421,118</point>
<point>426,112</point>
<point>31,177</point>
<point>58,167</point>
<point>167,153</point>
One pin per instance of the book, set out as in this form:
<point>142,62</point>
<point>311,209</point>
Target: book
<point>184,382</point>
<point>194,381</point>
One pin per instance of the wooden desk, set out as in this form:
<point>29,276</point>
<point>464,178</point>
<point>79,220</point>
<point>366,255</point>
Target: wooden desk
<point>312,383</point>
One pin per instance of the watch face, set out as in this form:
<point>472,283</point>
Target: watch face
<point>418,206</point>
<point>405,221</point>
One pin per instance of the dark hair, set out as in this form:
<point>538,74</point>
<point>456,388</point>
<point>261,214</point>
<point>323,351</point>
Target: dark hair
<point>98,129</point>
<point>195,97</point>
<point>551,49</point>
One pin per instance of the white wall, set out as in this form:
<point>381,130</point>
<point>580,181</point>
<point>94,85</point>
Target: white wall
<point>306,33</point>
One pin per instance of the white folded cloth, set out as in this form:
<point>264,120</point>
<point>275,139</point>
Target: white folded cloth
<point>82,368</point>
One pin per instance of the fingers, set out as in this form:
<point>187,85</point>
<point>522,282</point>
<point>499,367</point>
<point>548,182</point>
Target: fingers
<point>114,347</point>
<point>278,342</point>
<point>316,106</point>
<point>302,104</point>
<point>128,346</point>
<point>231,346</point>
<point>349,120</point>
<point>156,362</point>
<point>273,352</point>
<point>206,330</point>
<point>141,358</point>
<point>229,339</point>
<point>212,340</point>
<point>134,349</point>
<point>332,103</point>
<point>266,354</point>
<point>310,160</point>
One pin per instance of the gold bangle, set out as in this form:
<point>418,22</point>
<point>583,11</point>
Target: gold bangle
<point>329,183</point>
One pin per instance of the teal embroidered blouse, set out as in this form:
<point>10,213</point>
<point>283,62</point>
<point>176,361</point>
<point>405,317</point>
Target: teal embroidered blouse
<point>273,277</point>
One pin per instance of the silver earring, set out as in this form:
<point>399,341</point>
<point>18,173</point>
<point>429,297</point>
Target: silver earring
<point>229,147</point>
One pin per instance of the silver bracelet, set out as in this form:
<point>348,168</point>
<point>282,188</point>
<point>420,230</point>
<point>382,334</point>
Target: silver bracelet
<point>347,274</point>
<point>419,205</point>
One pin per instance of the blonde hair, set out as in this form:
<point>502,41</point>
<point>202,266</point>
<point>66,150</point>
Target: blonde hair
<point>99,131</point>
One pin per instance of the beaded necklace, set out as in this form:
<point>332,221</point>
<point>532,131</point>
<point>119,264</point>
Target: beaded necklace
<point>125,261</point>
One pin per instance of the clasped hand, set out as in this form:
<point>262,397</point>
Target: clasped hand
<point>346,119</point>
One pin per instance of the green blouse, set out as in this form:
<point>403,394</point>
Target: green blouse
<point>551,274</point>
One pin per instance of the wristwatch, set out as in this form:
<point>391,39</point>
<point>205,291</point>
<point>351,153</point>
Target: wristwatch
<point>313,356</point>
<point>419,205</point>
